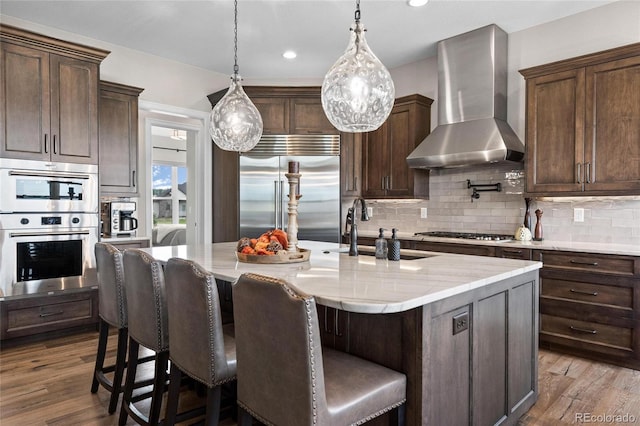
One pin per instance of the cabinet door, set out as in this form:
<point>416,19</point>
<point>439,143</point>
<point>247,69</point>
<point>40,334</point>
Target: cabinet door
<point>308,117</point>
<point>274,113</point>
<point>74,110</point>
<point>400,145</point>
<point>351,164</point>
<point>24,105</point>
<point>375,160</point>
<point>555,132</point>
<point>118,143</point>
<point>612,157</point>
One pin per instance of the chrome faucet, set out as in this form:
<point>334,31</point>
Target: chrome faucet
<point>353,247</point>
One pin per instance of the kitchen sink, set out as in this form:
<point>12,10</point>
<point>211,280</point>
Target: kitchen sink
<point>403,256</point>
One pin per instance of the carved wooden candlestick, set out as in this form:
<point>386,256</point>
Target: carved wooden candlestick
<point>538,232</point>
<point>294,196</point>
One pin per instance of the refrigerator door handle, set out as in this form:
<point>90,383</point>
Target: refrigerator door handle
<point>276,202</point>
<point>281,205</point>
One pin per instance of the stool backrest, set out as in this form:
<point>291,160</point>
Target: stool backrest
<point>112,300</point>
<point>146,300</point>
<point>280,369</point>
<point>195,323</point>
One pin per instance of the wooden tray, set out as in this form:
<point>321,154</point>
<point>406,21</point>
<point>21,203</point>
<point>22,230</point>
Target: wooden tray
<point>282,256</point>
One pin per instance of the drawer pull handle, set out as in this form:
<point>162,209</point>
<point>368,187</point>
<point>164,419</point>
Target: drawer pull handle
<point>581,262</point>
<point>588,293</point>
<point>582,330</point>
<point>512,251</point>
<point>49,314</point>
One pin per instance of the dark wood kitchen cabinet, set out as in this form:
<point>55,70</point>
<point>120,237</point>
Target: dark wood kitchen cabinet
<point>334,327</point>
<point>290,110</point>
<point>583,125</point>
<point>384,167</point>
<point>590,305</point>
<point>30,316</point>
<point>49,92</point>
<point>350,164</point>
<point>472,249</point>
<point>118,139</point>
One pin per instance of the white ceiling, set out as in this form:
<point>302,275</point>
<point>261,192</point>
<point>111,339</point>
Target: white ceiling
<point>200,33</point>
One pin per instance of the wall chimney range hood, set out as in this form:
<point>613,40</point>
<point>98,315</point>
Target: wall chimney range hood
<point>472,104</point>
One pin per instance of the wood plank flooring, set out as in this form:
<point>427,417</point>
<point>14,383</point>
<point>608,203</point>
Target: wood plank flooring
<point>48,383</point>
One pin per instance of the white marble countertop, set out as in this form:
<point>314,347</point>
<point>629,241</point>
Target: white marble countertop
<point>600,248</point>
<point>363,283</point>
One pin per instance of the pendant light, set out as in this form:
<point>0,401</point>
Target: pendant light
<point>236,124</point>
<point>357,92</point>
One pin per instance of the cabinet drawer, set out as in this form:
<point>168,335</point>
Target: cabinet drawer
<point>40,314</point>
<point>475,250</point>
<point>57,312</point>
<point>588,292</point>
<point>601,334</point>
<point>618,265</point>
<point>513,253</point>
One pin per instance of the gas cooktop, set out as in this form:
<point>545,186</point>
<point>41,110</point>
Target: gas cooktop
<point>467,235</point>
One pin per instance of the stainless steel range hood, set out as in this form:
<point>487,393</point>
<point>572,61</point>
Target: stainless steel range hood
<point>472,104</point>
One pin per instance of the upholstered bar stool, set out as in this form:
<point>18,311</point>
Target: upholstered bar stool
<point>112,310</point>
<point>148,327</point>
<point>285,377</point>
<point>201,347</point>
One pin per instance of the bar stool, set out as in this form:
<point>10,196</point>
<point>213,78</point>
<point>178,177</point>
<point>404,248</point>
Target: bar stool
<point>201,347</point>
<point>285,377</point>
<point>148,327</point>
<point>113,313</point>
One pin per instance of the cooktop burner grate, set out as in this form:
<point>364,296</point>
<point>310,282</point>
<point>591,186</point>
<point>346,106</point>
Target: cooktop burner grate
<point>467,235</point>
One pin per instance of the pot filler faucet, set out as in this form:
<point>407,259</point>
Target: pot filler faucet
<point>353,247</point>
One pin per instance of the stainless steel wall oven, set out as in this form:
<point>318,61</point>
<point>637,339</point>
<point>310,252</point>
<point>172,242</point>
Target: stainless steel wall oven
<point>49,224</point>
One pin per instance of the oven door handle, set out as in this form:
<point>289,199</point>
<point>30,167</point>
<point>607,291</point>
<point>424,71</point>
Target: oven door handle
<point>48,174</point>
<point>46,234</point>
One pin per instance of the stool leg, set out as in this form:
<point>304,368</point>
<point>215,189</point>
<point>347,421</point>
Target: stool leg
<point>401,414</point>
<point>174,395</point>
<point>121,358</point>
<point>214,395</point>
<point>132,365</point>
<point>162,359</point>
<point>244,418</point>
<point>102,349</point>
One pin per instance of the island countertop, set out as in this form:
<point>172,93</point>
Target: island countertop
<point>360,284</point>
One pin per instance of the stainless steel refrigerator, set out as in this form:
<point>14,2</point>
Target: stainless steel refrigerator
<point>264,187</point>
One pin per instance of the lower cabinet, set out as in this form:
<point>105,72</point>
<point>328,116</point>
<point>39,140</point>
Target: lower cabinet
<point>334,327</point>
<point>48,313</point>
<point>590,305</point>
<point>470,359</point>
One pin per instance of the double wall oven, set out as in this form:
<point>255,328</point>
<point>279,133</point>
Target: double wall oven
<point>49,224</point>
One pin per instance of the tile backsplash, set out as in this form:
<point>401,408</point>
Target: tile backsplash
<point>450,208</point>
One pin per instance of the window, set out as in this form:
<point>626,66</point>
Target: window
<point>169,194</point>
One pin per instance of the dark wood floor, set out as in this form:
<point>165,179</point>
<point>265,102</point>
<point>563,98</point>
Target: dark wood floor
<point>48,383</point>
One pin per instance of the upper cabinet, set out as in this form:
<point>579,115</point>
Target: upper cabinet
<point>384,153</point>
<point>49,93</point>
<point>287,110</point>
<point>583,125</point>
<point>118,139</point>
<point>351,164</point>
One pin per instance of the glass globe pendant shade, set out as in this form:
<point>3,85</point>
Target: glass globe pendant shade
<point>236,124</point>
<point>357,92</point>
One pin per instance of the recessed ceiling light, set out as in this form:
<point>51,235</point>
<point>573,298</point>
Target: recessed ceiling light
<point>289,54</point>
<point>417,3</point>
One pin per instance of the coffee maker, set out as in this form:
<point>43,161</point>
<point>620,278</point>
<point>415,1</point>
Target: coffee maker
<point>118,219</point>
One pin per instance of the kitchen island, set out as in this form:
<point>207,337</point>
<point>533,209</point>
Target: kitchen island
<point>462,328</point>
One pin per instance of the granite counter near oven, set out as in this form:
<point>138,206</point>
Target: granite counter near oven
<point>440,318</point>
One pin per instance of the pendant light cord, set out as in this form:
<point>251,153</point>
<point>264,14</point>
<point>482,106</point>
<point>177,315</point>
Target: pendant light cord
<point>236,68</point>
<point>357,14</point>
